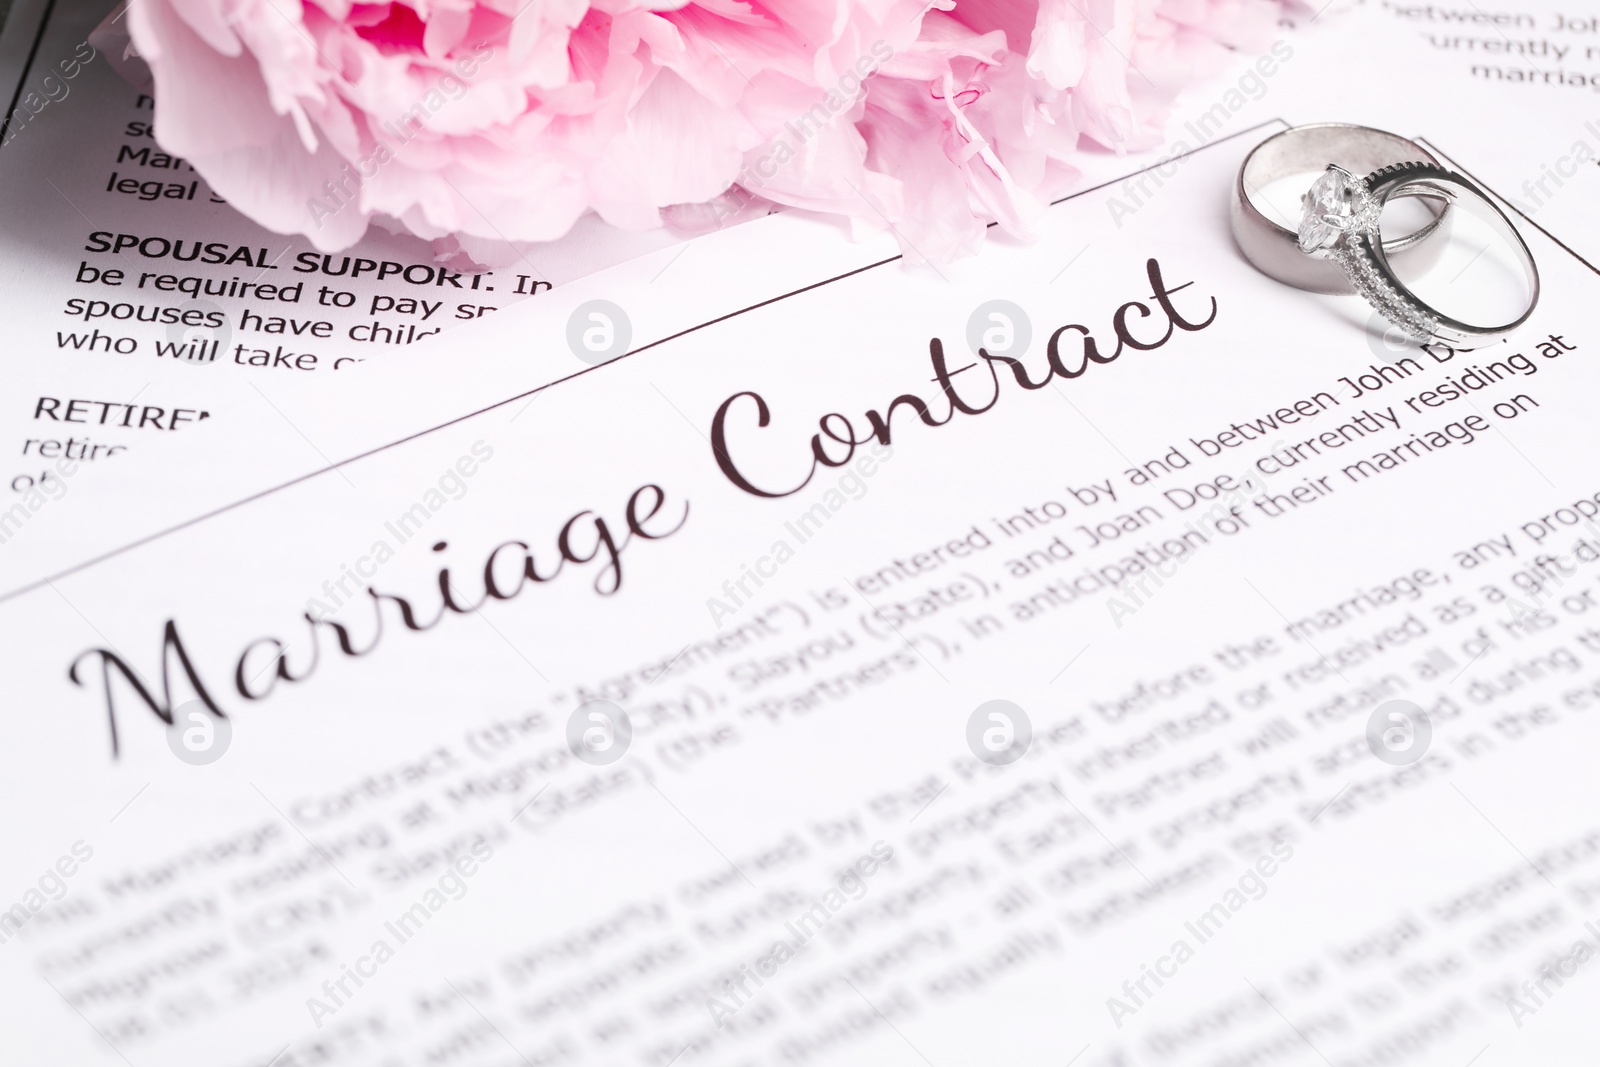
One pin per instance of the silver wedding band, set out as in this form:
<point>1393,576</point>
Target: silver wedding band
<point>1271,247</point>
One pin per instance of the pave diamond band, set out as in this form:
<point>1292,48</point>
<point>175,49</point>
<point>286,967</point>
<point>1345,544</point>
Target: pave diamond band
<point>1340,224</point>
<point>1410,316</point>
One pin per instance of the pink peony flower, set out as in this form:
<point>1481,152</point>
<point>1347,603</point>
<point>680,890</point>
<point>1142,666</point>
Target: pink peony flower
<point>497,122</point>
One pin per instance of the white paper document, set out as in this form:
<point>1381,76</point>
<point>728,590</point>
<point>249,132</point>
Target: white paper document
<point>1513,87</point>
<point>1182,679</point>
<point>139,304</point>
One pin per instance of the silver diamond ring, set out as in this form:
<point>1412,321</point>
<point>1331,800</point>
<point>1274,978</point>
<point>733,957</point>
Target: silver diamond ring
<point>1340,221</point>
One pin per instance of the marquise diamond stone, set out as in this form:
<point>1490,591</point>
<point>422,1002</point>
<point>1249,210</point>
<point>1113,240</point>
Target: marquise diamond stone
<point>1337,204</point>
<point>1325,210</point>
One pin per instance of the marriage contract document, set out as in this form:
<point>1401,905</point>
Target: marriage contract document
<point>1092,653</point>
